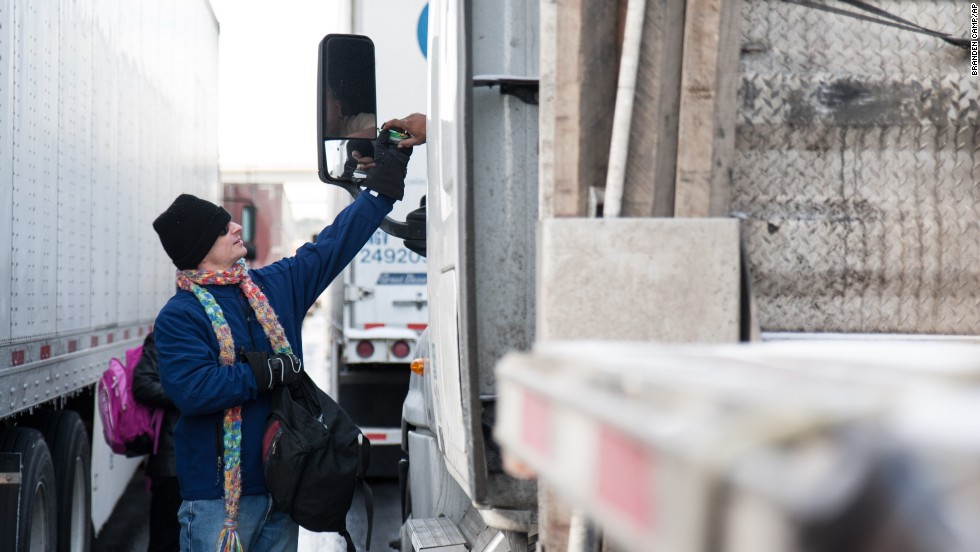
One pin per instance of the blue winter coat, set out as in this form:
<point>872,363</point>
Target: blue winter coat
<point>188,350</point>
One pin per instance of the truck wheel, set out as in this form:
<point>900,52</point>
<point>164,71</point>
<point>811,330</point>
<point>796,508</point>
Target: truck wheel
<point>68,442</point>
<point>35,527</point>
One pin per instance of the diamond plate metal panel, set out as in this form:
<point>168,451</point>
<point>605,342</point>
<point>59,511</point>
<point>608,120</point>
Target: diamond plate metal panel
<point>855,170</point>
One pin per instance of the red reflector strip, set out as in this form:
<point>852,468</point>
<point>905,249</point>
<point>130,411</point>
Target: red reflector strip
<point>109,338</point>
<point>17,358</point>
<point>376,437</point>
<point>72,345</point>
<point>417,327</point>
<point>95,341</point>
<point>45,351</point>
<point>369,325</point>
<point>624,478</point>
<point>126,334</point>
<point>536,431</point>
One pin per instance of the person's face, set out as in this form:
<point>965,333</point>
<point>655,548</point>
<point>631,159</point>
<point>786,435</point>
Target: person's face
<point>227,249</point>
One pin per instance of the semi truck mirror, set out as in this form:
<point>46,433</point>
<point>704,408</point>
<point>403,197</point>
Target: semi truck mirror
<point>347,117</point>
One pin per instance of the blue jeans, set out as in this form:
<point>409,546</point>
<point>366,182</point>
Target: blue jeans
<point>260,527</point>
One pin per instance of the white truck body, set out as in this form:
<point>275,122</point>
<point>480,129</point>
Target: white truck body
<point>384,297</point>
<point>107,112</point>
<point>837,158</point>
<point>481,215</point>
<point>481,210</point>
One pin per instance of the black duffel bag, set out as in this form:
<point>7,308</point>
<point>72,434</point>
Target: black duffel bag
<point>314,456</point>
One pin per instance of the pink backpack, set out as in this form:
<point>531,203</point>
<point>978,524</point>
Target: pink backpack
<point>130,428</point>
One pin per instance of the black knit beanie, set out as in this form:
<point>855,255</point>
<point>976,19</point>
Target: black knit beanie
<point>188,229</point>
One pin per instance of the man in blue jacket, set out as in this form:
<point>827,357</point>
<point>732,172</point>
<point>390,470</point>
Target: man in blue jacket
<point>228,336</point>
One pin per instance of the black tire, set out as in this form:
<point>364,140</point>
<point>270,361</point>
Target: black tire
<point>36,529</point>
<point>67,440</point>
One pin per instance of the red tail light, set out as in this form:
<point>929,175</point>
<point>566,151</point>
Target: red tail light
<point>400,349</point>
<point>364,349</point>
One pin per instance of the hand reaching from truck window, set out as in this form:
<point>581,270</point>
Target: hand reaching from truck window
<point>413,124</point>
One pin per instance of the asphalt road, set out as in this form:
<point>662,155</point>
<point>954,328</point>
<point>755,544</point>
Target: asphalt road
<point>128,531</point>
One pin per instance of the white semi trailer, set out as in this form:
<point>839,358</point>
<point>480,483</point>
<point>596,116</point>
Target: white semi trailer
<point>107,112</point>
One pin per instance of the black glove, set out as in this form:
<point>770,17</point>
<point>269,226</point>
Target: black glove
<point>387,176</point>
<point>270,371</point>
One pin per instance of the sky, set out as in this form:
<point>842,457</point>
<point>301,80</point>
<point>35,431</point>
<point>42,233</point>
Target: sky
<point>267,68</point>
<point>267,65</point>
<point>267,80</point>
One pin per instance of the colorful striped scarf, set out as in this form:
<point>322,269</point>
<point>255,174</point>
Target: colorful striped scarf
<point>192,280</point>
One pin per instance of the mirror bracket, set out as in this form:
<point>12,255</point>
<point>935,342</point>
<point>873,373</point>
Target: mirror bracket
<point>523,88</point>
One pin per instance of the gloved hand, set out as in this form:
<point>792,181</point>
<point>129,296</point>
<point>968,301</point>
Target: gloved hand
<point>387,176</point>
<point>270,371</point>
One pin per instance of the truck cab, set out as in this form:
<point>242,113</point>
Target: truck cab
<point>477,259</point>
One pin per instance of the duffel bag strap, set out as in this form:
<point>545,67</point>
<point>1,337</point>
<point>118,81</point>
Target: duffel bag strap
<point>350,541</point>
<point>368,496</point>
<point>369,507</point>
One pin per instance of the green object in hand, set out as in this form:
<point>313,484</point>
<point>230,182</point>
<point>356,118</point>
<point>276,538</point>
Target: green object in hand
<point>395,136</point>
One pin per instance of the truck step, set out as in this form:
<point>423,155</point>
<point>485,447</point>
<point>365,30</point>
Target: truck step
<point>435,535</point>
